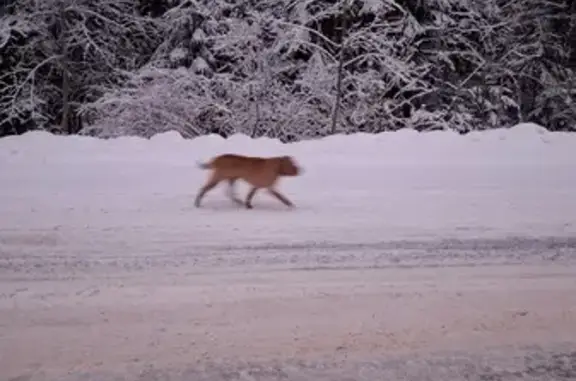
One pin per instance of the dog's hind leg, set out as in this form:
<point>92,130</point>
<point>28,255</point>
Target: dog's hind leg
<point>212,182</point>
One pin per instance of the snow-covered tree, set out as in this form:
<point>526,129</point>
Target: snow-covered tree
<point>284,68</point>
<point>493,60</point>
<point>245,57</point>
<point>156,100</point>
<point>72,47</point>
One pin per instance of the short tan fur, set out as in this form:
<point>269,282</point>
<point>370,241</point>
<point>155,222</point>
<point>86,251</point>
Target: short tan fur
<point>259,172</point>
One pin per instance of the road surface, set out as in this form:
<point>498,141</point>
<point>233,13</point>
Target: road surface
<point>485,310</point>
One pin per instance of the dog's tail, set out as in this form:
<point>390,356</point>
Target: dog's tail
<point>204,165</point>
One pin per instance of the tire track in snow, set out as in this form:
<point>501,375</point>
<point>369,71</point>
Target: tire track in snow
<point>37,259</point>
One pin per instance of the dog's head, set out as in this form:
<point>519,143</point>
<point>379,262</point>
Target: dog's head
<point>287,166</point>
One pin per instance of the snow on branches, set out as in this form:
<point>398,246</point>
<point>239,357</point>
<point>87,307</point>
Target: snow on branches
<point>67,50</point>
<point>284,68</point>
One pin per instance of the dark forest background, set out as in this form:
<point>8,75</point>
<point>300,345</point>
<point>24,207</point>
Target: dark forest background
<point>289,69</point>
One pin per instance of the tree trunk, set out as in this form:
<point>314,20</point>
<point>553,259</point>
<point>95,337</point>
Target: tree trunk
<point>64,123</point>
<point>256,99</point>
<point>572,37</point>
<point>336,108</point>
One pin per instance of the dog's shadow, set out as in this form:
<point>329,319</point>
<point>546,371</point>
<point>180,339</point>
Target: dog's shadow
<point>228,205</point>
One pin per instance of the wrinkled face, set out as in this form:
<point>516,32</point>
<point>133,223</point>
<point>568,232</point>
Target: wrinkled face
<point>287,167</point>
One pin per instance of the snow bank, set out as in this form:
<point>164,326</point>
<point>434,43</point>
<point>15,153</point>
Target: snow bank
<point>523,144</point>
<point>136,195</point>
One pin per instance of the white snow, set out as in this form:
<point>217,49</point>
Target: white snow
<point>108,271</point>
<point>199,64</point>
<point>178,54</point>
<point>136,194</point>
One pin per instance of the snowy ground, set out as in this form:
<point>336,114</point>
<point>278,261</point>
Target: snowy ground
<point>401,243</point>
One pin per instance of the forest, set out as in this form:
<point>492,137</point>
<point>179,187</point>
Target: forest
<point>286,69</point>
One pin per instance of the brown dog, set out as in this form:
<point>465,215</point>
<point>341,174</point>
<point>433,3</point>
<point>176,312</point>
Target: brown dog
<point>259,172</point>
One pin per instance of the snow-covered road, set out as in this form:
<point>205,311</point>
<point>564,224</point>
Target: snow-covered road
<point>400,244</point>
<point>104,323</point>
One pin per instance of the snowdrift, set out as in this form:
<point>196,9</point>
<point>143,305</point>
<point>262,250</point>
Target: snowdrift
<point>132,195</point>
